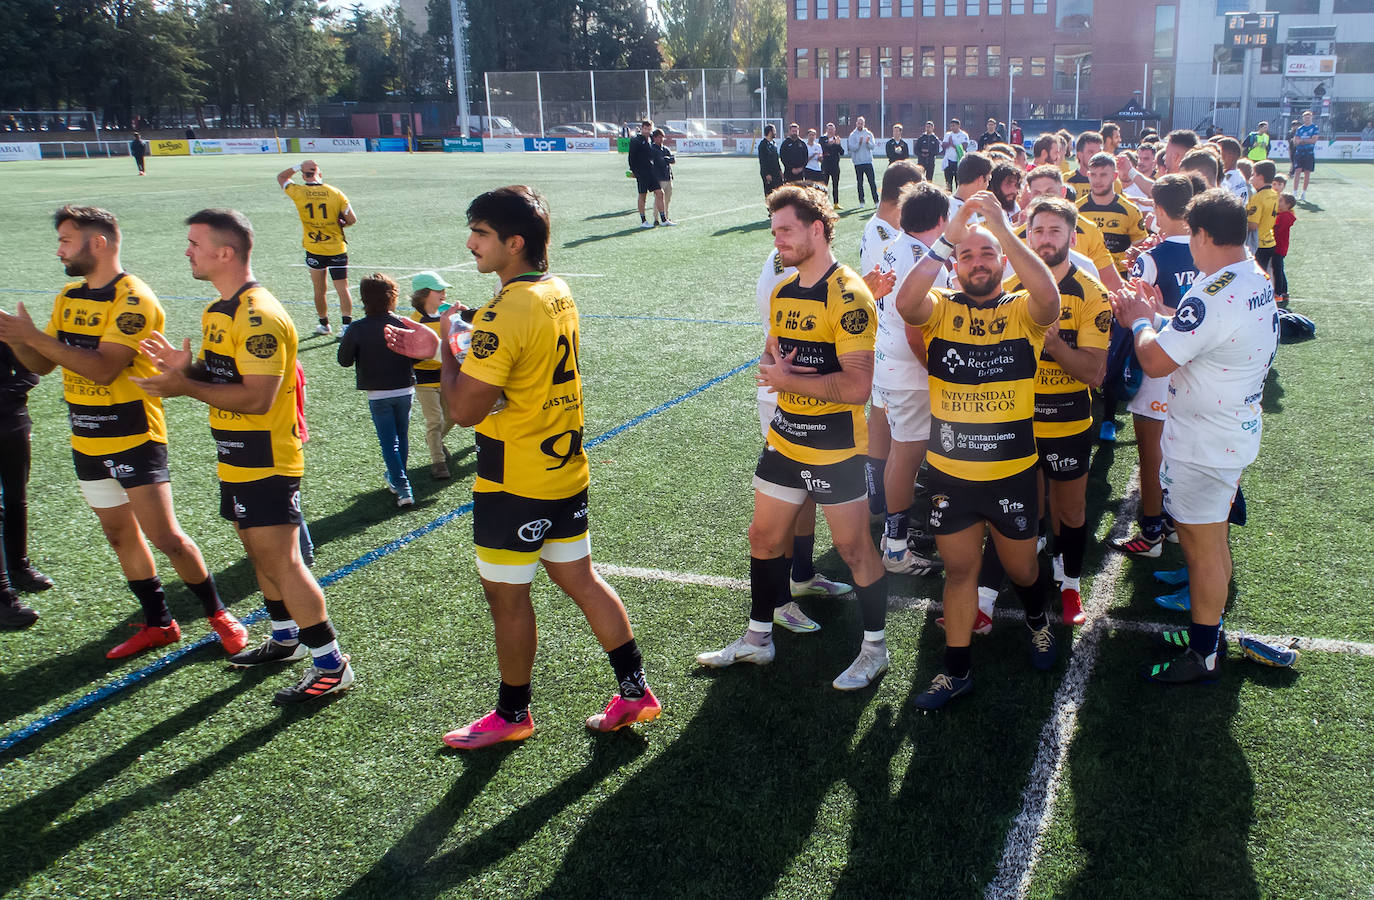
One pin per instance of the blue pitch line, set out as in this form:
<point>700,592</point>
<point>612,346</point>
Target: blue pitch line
<point>132,678</point>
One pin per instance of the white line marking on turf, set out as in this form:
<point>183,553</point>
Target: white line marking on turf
<point>1024,841</point>
<point>719,212</point>
<point>731,584</point>
<point>1323,645</point>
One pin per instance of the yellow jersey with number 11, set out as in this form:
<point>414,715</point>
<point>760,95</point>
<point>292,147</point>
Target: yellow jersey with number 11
<point>319,207</point>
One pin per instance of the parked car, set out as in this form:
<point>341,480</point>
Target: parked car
<point>491,126</point>
<point>568,131</point>
<point>600,129</point>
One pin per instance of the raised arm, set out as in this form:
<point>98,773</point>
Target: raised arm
<point>913,299</point>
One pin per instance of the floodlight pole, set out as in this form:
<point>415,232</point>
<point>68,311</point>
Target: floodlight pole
<point>944,107</point>
<point>882,99</point>
<point>486,82</point>
<point>1077,74</point>
<point>1011,84</point>
<point>458,16</point>
<point>648,110</point>
<point>591,73</point>
<point>820,119</point>
<point>703,99</point>
<point>763,103</point>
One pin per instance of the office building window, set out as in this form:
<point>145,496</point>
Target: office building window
<point>884,9</point>
<point>865,62</point>
<point>885,60</point>
<point>1040,7</point>
<point>1165,18</point>
<point>1073,15</point>
<point>823,62</point>
<point>951,7</point>
<point>927,62</point>
<point>908,8</point>
<point>800,8</point>
<point>1016,66</point>
<point>971,68</point>
<point>803,62</point>
<point>994,61</point>
<point>1018,7</point>
<point>928,8</point>
<point>1073,67</point>
<point>971,8</point>
<point>1037,65</point>
<point>865,9</point>
<point>952,59</point>
<point>822,9</point>
<point>908,62</point>
<point>842,62</point>
<point>994,7</point>
<point>842,9</point>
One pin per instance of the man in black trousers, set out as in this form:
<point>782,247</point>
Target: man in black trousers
<point>16,573</point>
<point>793,154</point>
<point>770,165</point>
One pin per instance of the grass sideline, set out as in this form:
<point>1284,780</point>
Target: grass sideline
<point>755,783</point>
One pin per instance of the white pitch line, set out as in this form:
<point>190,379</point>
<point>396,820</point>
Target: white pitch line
<point>730,584</point>
<point>1321,645</point>
<point>719,212</point>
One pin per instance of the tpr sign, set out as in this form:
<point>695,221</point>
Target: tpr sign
<point>545,144</point>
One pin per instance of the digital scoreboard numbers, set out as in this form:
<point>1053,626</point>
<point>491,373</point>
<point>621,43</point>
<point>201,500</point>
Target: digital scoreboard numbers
<point>1251,29</point>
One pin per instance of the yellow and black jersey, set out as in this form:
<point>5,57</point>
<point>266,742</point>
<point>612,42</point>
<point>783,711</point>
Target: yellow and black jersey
<point>1262,211</point>
<point>983,360</point>
<point>823,322</point>
<point>1121,224</point>
<point>250,334</point>
<point>1088,241</point>
<point>427,370</point>
<point>525,341</point>
<point>118,416</point>
<point>319,207</point>
<point>1082,187</point>
<point>1063,405</point>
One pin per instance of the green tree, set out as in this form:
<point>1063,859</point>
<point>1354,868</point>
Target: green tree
<point>698,33</point>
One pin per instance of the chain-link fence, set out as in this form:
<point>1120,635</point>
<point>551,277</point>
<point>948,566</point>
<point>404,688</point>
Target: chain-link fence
<point>690,102</point>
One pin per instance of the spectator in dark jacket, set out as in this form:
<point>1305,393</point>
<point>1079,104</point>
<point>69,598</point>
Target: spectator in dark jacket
<point>641,163</point>
<point>664,160</point>
<point>793,154</point>
<point>137,150</point>
<point>926,149</point>
<point>896,147</point>
<point>770,165</point>
<point>387,376</point>
<point>832,148</point>
<point>16,573</point>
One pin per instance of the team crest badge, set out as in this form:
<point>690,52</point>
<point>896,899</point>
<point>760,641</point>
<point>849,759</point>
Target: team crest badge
<point>1103,321</point>
<point>131,322</point>
<point>947,437</point>
<point>484,344</point>
<point>855,321</point>
<point>263,346</point>
<point>1189,314</point>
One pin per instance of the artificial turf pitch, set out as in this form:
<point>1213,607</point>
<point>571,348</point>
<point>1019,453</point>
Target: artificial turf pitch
<point>760,782</point>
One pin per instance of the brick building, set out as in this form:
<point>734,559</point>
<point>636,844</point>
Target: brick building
<point>1071,59</point>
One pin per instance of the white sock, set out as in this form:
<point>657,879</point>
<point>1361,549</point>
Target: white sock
<point>987,599</point>
<point>1068,584</point>
<point>759,632</point>
<point>1057,564</point>
<point>875,637</point>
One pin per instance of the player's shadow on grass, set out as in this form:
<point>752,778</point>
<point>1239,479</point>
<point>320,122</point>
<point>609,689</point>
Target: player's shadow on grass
<point>377,506</point>
<point>1273,392</point>
<point>1163,797</point>
<point>86,666</point>
<point>934,792</point>
<point>32,842</point>
<point>593,238</point>
<point>727,808</point>
<point>411,869</point>
<point>745,228</point>
<point>611,215</point>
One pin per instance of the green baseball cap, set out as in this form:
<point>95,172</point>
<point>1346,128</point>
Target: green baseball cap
<point>428,281</point>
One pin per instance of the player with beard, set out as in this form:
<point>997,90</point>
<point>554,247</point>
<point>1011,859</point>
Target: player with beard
<point>983,344</point>
<point>119,432</point>
<point>819,359</point>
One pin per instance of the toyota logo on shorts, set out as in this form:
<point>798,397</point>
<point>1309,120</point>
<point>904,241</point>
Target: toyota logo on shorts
<point>531,532</point>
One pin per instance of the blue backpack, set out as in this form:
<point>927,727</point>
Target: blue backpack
<point>1295,327</point>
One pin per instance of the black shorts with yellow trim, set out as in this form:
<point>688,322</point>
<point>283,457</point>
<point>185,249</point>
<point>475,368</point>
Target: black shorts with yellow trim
<point>1065,458</point>
<point>336,263</point>
<point>1007,504</point>
<point>274,500</point>
<point>783,478</point>
<point>104,479</point>
<point>513,533</point>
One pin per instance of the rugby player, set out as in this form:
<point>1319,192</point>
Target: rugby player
<point>1089,251</point>
<point>983,344</point>
<point>119,433</point>
<point>1262,210</point>
<point>819,359</point>
<point>1072,362</point>
<point>245,372</point>
<point>520,385</point>
<point>1232,179</point>
<point>879,231</point>
<point>901,391</point>
<point>1216,351</point>
<point>1118,218</point>
<point>1169,267</point>
<point>641,162</point>
<point>325,212</point>
<point>1304,154</point>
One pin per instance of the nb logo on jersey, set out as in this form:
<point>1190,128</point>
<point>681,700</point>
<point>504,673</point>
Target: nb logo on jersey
<point>976,327</point>
<point>534,531</point>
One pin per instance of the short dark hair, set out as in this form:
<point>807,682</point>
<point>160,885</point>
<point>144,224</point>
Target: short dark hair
<point>646,123</point>
<point>1202,162</point>
<point>89,218</point>
<point>516,210</point>
<point>811,204</point>
<point>378,293</point>
<point>1047,170</point>
<point>954,122</point>
<point>1221,214</point>
<point>657,132</point>
<point>417,299</point>
<point>1102,161</point>
<point>230,226</point>
<point>1172,193</point>
<point>1183,137</point>
<point>769,130</point>
<point>974,166</point>
<point>1086,138</point>
<point>897,176</point>
<point>1043,144</point>
<point>1228,145</point>
<point>923,206</point>
<point>1197,181</point>
<point>1109,129</point>
<point>1266,169</point>
<point>1055,206</point>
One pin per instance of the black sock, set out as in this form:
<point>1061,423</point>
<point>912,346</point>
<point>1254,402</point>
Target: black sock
<point>897,525</point>
<point>958,661</point>
<point>873,474</point>
<point>153,600</point>
<point>803,567</point>
<point>873,604</point>
<point>1035,599</point>
<point>207,595</point>
<point>324,320</point>
<point>513,702</point>
<point>1151,526</point>
<point>767,587</point>
<point>642,218</point>
<point>628,663</point>
<point>1203,638</point>
<point>991,574</point>
<point>347,320</point>
<point>1071,544</point>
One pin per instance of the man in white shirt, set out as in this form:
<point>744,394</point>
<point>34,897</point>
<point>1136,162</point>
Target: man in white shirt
<point>901,393</point>
<point>1232,179</point>
<point>1216,351</point>
<point>955,144</point>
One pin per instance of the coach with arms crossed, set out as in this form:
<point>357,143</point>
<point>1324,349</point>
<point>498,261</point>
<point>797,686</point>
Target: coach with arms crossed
<point>1216,352</point>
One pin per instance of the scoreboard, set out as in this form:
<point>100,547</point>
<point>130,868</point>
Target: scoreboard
<point>1251,29</point>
